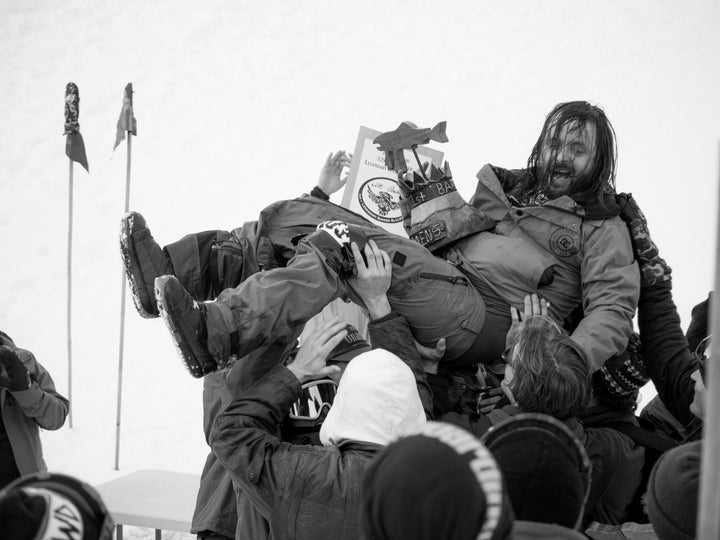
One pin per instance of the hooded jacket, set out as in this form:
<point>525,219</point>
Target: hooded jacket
<point>588,247</point>
<point>26,411</point>
<point>310,491</point>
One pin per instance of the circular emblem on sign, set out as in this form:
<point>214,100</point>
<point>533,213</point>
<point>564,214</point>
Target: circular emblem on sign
<point>564,243</point>
<point>380,198</point>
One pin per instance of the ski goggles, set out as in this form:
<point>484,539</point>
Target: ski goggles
<point>314,398</point>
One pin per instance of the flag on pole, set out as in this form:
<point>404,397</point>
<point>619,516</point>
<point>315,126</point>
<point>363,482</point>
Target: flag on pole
<point>74,144</point>
<point>127,121</point>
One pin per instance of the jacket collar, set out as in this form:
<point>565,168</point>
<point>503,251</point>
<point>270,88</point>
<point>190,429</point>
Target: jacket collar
<point>592,209</point>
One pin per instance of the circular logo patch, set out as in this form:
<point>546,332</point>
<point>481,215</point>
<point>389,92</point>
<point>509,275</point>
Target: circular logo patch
<point>380,198</point>
<point>564,243</point>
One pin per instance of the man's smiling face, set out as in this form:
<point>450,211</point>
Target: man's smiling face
<point>567,152</point>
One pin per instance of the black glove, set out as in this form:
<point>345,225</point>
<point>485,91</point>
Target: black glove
<point>13,373</point>
<point>653,268</point>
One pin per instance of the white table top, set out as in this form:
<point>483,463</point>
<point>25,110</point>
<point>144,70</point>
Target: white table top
<point>152,498</point>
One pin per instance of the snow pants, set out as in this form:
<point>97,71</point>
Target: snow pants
<point>436,298</point>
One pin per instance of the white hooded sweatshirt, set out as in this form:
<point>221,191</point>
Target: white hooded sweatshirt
<point>377,401</point>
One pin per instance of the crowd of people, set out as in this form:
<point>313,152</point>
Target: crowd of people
<point>494,395</point>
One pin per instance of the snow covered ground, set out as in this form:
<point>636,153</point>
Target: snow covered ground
<point>238,102</point>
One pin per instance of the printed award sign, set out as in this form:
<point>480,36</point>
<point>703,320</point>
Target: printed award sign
<point>372,190</point>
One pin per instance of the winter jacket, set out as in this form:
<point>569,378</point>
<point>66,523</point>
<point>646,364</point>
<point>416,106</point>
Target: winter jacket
<point>24,412</point>
<point>668,360</point>
<point>617,471</point>
<point>311,491</point>
<point>588,247</point>
<point>220,507</point>
<point>215,505</point>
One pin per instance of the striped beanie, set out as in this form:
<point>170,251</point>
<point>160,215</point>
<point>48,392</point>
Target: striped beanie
<point>439,482</point>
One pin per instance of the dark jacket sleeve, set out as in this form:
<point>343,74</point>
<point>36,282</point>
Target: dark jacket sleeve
<point>668,359</point>
<point>245,437</point>
<point>392,333</point>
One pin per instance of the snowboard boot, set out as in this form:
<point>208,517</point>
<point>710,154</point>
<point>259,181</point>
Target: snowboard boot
<point>144,260</point>
<point>185,318</point>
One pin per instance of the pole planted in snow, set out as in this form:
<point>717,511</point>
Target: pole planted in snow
<point>126,125</point>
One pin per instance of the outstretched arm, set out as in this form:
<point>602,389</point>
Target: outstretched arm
<point>388,330</point>
<point>668,359</point>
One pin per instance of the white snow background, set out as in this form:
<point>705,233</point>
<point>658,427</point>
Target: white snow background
<point>239,102</point>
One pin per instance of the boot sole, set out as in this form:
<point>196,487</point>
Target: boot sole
<point>182,337</point>
<point>129,255</point>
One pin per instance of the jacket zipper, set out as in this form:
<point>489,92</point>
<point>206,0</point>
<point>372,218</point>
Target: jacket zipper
<point>442,277</point>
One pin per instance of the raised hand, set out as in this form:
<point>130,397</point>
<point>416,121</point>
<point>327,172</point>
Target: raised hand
<point>13,374</point>
<point>374,274</point>
<point>534,308</point>
<point>311,360</point>
<point>431,356</point>
<point>329,180</point>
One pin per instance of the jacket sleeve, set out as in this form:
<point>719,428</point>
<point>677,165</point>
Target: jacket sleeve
<point>392,333</point>
<point>245,438</point>
<point>41,401</point>
<point>610,282</point>
<point>668,359</point>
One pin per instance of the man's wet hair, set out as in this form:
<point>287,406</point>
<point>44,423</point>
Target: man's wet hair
<point>601,179</point>
<point>550,373</point>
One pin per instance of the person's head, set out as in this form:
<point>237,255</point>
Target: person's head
<point>354,344</point>
<point>376,400</point>
<point>672,492</point>
<point>575,153</point>
<point>440,482</point>
<point>699,319</point>
<point>50,505</point>
<point>310,409</point>
<point>546,469</point>
<point>546,370</point>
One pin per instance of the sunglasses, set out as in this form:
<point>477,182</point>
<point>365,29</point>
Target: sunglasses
<point>314,398</point>
<point>702,351</point>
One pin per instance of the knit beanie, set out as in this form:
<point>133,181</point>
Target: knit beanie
<point>672,492</point>
<point>438,483</point>
<point>546,469</point>
<point>44,505</point>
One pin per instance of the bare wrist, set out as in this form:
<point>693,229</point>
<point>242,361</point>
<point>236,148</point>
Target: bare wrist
<point>378,308</point>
